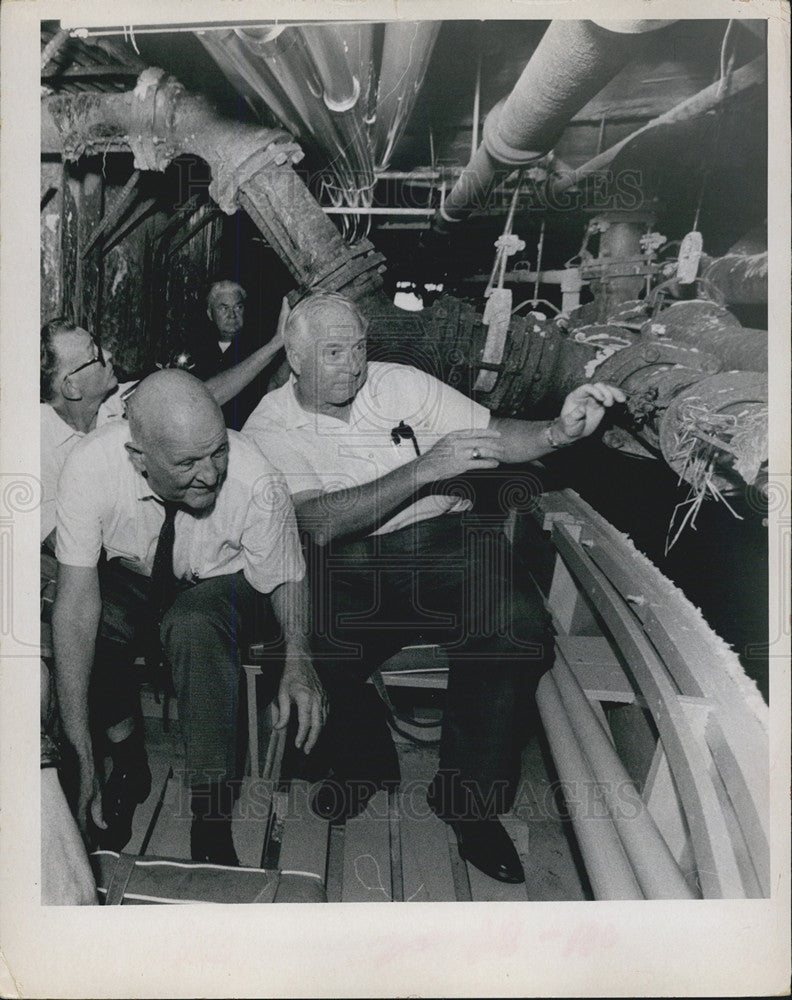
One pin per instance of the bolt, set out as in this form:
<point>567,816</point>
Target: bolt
<point>651,353</point>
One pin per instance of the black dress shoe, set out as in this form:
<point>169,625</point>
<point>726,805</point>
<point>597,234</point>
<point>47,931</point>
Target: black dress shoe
<point>487,846</point>
<point>337,801</point>
<point>482,842</point>
<point>211,842</point>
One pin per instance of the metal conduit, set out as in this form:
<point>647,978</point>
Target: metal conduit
<point>245,71</point>
<point>655,868</point>
<point>573,62</point>
<point>342,97</point>
<point>607,865</point>
<point>405,59</point>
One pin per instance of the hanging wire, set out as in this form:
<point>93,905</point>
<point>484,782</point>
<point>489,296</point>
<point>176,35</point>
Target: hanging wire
<point>725,67</point>
<point>129,36</point>
<point>539,252</point>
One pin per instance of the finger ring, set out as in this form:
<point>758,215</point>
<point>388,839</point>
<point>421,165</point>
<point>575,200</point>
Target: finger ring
<point>476,453</point>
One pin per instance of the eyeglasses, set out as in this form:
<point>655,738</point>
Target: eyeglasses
<point>98,358</point>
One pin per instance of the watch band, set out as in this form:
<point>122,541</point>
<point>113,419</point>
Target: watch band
<point>548,435</point>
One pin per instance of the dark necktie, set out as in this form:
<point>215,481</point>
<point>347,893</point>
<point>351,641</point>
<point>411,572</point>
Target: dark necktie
<point>163,581</point>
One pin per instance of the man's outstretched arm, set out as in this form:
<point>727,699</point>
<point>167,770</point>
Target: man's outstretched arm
<point>75,623</point>
<point>581,414</point>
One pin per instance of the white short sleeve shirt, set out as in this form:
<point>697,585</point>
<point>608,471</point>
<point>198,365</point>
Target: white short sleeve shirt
<point>322,453</point>
<point>57,441</point>
<point>104,503</point>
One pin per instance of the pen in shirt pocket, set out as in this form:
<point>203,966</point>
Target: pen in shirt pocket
<point>403,432</point>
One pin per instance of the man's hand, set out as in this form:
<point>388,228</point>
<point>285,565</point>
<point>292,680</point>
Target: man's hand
<point>300,685</point>
<point>277,340</point>
<point>89,798</point>
<point>584,409</point>
<point>459,452</point>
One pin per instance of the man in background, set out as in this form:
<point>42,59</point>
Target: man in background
<point>229,342</point>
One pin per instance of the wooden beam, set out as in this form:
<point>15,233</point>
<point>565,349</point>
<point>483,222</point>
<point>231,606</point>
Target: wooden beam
<point>715,860</point>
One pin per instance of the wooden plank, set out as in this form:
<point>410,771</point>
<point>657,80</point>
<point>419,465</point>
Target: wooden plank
<point>701,664</point>
<point>304,842</point>
<point>596,667</point>
<point>89,304</point>
<point>571,613</point>
<point>249,821</point>
<point>367,855</point>
<point>745,863</point>
<point>251,672</point>
<point>69,241</point>
<point>459,869</point>
<point>422,678</point>
<point>425,845</point>
<point>699,661</point>
<point>413,886</point>
<point>662,801</point>
<point>715,858</point>
<point>754,823</point>
<point>397,864</point>
<point>335,864</point>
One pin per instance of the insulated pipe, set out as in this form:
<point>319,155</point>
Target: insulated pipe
<point>250,165</point>
<point>573,62</point>
<point>619,241</point>
<point>244,71</point>
<point>740,278</point>
<point>607,865</point>
<point>303,73</point>
<point>54,47</point>
<point>341,88</point>
<point>356,41</point>
<point>711,328</point>
<point>655,868</point>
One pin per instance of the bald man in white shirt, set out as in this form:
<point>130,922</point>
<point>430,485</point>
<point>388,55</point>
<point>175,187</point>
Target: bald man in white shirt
<point>236,568</point>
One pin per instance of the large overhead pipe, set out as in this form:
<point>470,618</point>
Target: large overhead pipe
<point>572,63</point>
<point>740,278</point>
<point>405,58</point>
<point>251,168</point>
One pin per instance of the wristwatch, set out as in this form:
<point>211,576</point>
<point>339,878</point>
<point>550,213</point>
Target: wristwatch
<point>548,436</point>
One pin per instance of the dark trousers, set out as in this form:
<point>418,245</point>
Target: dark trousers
<point>451,581</point>
<point>204,634</point>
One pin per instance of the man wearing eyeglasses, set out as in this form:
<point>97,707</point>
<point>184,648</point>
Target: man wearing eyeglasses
<point>80,392</point>
<point>366,448</point>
